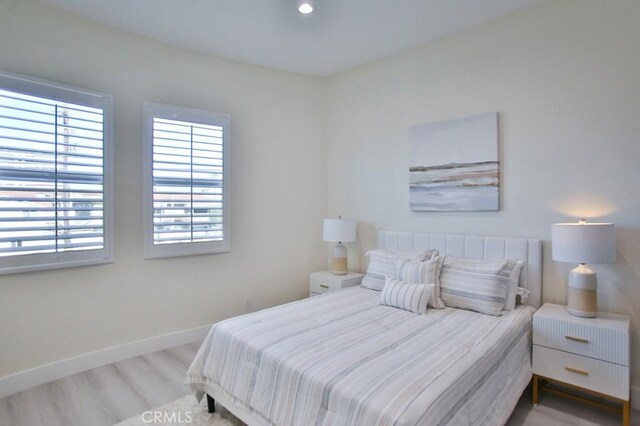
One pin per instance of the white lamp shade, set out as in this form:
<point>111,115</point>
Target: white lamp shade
<point>339,230</point>
<point>583,242</point>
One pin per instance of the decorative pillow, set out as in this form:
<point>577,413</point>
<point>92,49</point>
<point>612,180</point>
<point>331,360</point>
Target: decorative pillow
<point>427,272</point>
<point>404,295</point>
<point>512,293</point>
<point>384,262</point>
<point>524,294</point>
<point>480,286</point>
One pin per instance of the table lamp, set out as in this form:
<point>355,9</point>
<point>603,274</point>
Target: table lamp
<point>339,230</point>
<point>583,243</point>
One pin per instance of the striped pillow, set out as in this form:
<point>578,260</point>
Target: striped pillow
<point>427,272</point>
<point>480,286</point>
<point>403,295</point>
<point>384,262</point>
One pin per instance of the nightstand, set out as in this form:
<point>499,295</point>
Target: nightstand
<point>324,281</point>
<point>588,355</point>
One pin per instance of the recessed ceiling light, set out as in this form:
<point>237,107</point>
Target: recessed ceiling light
<point>306,7</point>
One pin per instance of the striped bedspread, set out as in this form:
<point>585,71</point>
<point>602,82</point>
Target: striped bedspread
<point>342,359</point>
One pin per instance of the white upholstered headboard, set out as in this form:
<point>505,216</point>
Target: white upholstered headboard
<point>479,248</point>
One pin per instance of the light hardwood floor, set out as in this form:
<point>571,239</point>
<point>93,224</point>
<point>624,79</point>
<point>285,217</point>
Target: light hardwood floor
<point>110,394</point>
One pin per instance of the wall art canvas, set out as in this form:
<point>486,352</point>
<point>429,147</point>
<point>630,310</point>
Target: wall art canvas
<point>453,165</point>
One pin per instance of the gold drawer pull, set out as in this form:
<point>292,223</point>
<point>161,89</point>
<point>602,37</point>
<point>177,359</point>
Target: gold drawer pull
<point>324,286</point>
<point>577,370</point>
<point>577,339</point>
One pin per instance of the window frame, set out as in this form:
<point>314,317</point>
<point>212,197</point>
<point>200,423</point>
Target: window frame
<point>65,93</point>
<point>172,112</point>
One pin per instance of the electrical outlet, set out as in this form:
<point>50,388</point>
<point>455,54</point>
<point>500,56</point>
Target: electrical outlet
<point>248,304</point>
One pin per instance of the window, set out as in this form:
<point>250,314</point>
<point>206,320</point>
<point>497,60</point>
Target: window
<point>55,175</point>
<point>186,181</point>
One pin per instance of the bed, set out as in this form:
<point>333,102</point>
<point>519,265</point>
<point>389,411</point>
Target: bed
<point>342,359</point>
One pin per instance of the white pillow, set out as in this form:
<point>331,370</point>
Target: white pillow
<point>524,294</point>
<point>423,272</point>
<point>512,293</point>
<point>477,285</point>
<point>403,295</point>
<point>383,263</point>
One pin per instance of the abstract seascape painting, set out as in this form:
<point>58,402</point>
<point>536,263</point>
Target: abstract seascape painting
<point>453,165</point>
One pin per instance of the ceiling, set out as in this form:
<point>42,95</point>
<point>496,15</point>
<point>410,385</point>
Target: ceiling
<point>341,33</point>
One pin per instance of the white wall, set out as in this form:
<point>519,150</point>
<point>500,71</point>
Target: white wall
<point>276,208</point>
<point>565,78</point>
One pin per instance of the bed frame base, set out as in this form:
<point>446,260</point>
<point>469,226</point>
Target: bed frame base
<point>225,400</point>
<point>211,404</point>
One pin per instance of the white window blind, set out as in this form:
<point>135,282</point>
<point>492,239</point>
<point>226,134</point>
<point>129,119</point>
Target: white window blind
<point>186,180</point>
<point>52,175</point>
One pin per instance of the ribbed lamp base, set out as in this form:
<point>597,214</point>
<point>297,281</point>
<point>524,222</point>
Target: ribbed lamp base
<point>582,299</point>
<point>339,264</point>
<point>583,303</point>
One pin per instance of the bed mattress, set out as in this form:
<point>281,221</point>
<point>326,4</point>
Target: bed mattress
<point>342,359</point>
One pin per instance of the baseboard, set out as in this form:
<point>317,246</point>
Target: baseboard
<point>66,367</point>
<point>635,397</point>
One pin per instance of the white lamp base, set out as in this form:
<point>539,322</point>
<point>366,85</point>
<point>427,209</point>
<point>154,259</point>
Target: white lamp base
<point>582,299</point>
<point>339,266</point>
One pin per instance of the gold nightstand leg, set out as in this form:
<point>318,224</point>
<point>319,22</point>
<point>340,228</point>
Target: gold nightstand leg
<point>534,396</point>
<point>625,413</point>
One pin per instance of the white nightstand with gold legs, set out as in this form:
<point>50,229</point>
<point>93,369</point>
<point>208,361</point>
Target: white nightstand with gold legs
<point>587,355</point>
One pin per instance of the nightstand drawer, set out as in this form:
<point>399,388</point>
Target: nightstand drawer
<point>324,282</point>
<point>320,285</point>
<point>599,376</point>
<point>582,338</point>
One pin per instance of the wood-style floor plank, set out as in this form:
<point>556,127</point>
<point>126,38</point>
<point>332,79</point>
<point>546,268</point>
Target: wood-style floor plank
<point>104,395</point>
<point>115,392</point>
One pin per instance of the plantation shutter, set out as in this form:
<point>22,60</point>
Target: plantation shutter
<point>186,153</point>
<point>52,176</point>
<point>188,191</point>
